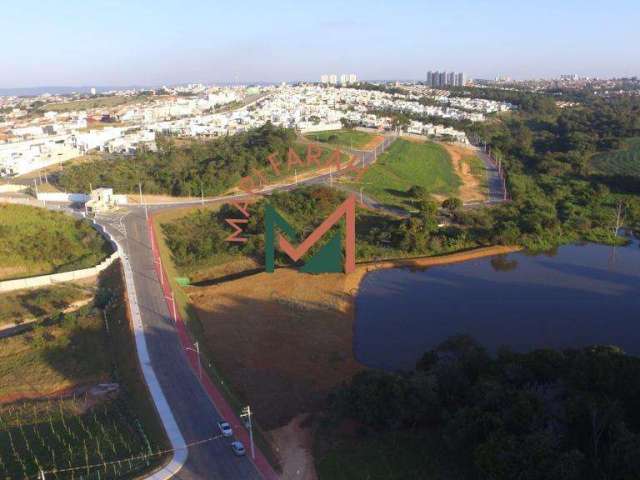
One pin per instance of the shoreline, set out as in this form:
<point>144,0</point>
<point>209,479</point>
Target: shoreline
<point>353,280</point>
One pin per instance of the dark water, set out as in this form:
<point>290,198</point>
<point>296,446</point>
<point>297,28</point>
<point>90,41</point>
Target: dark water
<point>578,296</point>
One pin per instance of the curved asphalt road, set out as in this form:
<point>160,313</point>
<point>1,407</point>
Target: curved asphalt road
<point>194,412</point>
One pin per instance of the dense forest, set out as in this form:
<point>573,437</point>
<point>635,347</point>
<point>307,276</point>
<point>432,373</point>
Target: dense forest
<point>557,196</point>
<point>210,167</point>
<point>543,415</point>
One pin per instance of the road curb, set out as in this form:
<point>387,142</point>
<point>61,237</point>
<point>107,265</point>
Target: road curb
<point>178,445</point>
<point>216,397</point>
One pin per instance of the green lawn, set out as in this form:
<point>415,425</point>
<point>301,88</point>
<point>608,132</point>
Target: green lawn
<point>406,164</point>
<point>342,138</point>
<point>625,161</point>
<point>35,241</point>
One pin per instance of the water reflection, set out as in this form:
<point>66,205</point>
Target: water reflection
<point>576,295</point>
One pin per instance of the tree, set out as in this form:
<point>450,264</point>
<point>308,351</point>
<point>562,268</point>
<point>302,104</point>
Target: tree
<point>452,204</point>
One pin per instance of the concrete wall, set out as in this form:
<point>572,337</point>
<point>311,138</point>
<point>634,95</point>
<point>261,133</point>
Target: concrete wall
<point>62,197</point>
<point>46,280</point>
<point>11,188</point>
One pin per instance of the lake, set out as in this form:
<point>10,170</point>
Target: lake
<point>576,296</point>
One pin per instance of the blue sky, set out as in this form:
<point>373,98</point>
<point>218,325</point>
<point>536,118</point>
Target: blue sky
<point>153,42</point>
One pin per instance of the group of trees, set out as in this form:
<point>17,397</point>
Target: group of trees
<point>541,415</point>
<point>199,238</point>
<point>556,198</point>
<point>200,167</point>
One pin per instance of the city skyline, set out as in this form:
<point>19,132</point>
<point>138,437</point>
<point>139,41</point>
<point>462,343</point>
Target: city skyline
<point>114,43</point>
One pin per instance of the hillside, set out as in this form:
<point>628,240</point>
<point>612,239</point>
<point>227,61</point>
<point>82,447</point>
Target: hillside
<point>35,241</point>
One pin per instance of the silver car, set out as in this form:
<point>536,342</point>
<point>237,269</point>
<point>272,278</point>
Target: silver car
<point>225,428</point>
<point>238,448</point>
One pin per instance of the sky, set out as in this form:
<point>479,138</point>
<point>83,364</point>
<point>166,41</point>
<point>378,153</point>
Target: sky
<point>162,42</point>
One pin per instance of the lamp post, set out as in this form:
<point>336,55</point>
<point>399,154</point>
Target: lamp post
<point>246,412</point>
<point>197,350</point>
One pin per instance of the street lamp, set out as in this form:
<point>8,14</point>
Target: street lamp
<point>197,350</point>
<point>246,412</point>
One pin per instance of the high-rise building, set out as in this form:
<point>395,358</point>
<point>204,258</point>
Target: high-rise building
<point>353,78</point>
<point>324,78</point>
<point>437,79</point>
<point>333,79</point>
<point>344,79</point>
<point>451,78</point>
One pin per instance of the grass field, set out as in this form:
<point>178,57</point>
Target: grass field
<point>21,305</point>
<point>625,161</point>
<point>343,138</point>
<point>48,421</point>
<point>99,102</point>
<point>35,241</point>
<point>406,164</point>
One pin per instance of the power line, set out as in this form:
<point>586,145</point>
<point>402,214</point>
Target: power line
<point>130,459</point>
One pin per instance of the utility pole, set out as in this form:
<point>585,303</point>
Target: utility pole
<point>197,351</point>
<point>199,361</point>
<point>175,311</point>
<point>201,194</point>
<point>246,412</point>
<point>295,171</point>
<point>331,175</point>
<point>146,213</point>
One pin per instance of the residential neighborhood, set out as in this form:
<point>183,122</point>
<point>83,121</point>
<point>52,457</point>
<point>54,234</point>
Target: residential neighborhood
<point>32,140</point>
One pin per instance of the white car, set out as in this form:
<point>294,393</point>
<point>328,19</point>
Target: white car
<point>238,448</point>
<point>225,428</point>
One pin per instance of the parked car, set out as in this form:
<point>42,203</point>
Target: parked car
<point>238,448</point>
<point>225,428</point>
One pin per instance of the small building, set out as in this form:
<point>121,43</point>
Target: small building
<point>102,199</point>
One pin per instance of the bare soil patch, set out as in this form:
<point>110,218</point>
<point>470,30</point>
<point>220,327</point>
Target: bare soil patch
<point>295,443</point>
<point>284,340</point>
<point>373,143</point>
<point>471,189</point>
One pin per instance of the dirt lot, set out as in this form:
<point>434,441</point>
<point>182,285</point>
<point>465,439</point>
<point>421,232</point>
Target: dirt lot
<point>282,339</point>
<point>471,189</point>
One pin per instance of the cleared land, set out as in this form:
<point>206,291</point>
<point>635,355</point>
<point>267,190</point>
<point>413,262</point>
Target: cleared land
<point>49,416</point>
<point>406,164</point>
<point>35,241</point>
<point>98,102</point>
<point>347,138</point>
<point>625,161</point>
<point>472,172</point>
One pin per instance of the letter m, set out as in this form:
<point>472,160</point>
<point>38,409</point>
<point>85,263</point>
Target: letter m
<point>328,258</point>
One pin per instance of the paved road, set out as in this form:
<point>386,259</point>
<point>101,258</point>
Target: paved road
<point>194,412</point>
<point>496,185</point>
